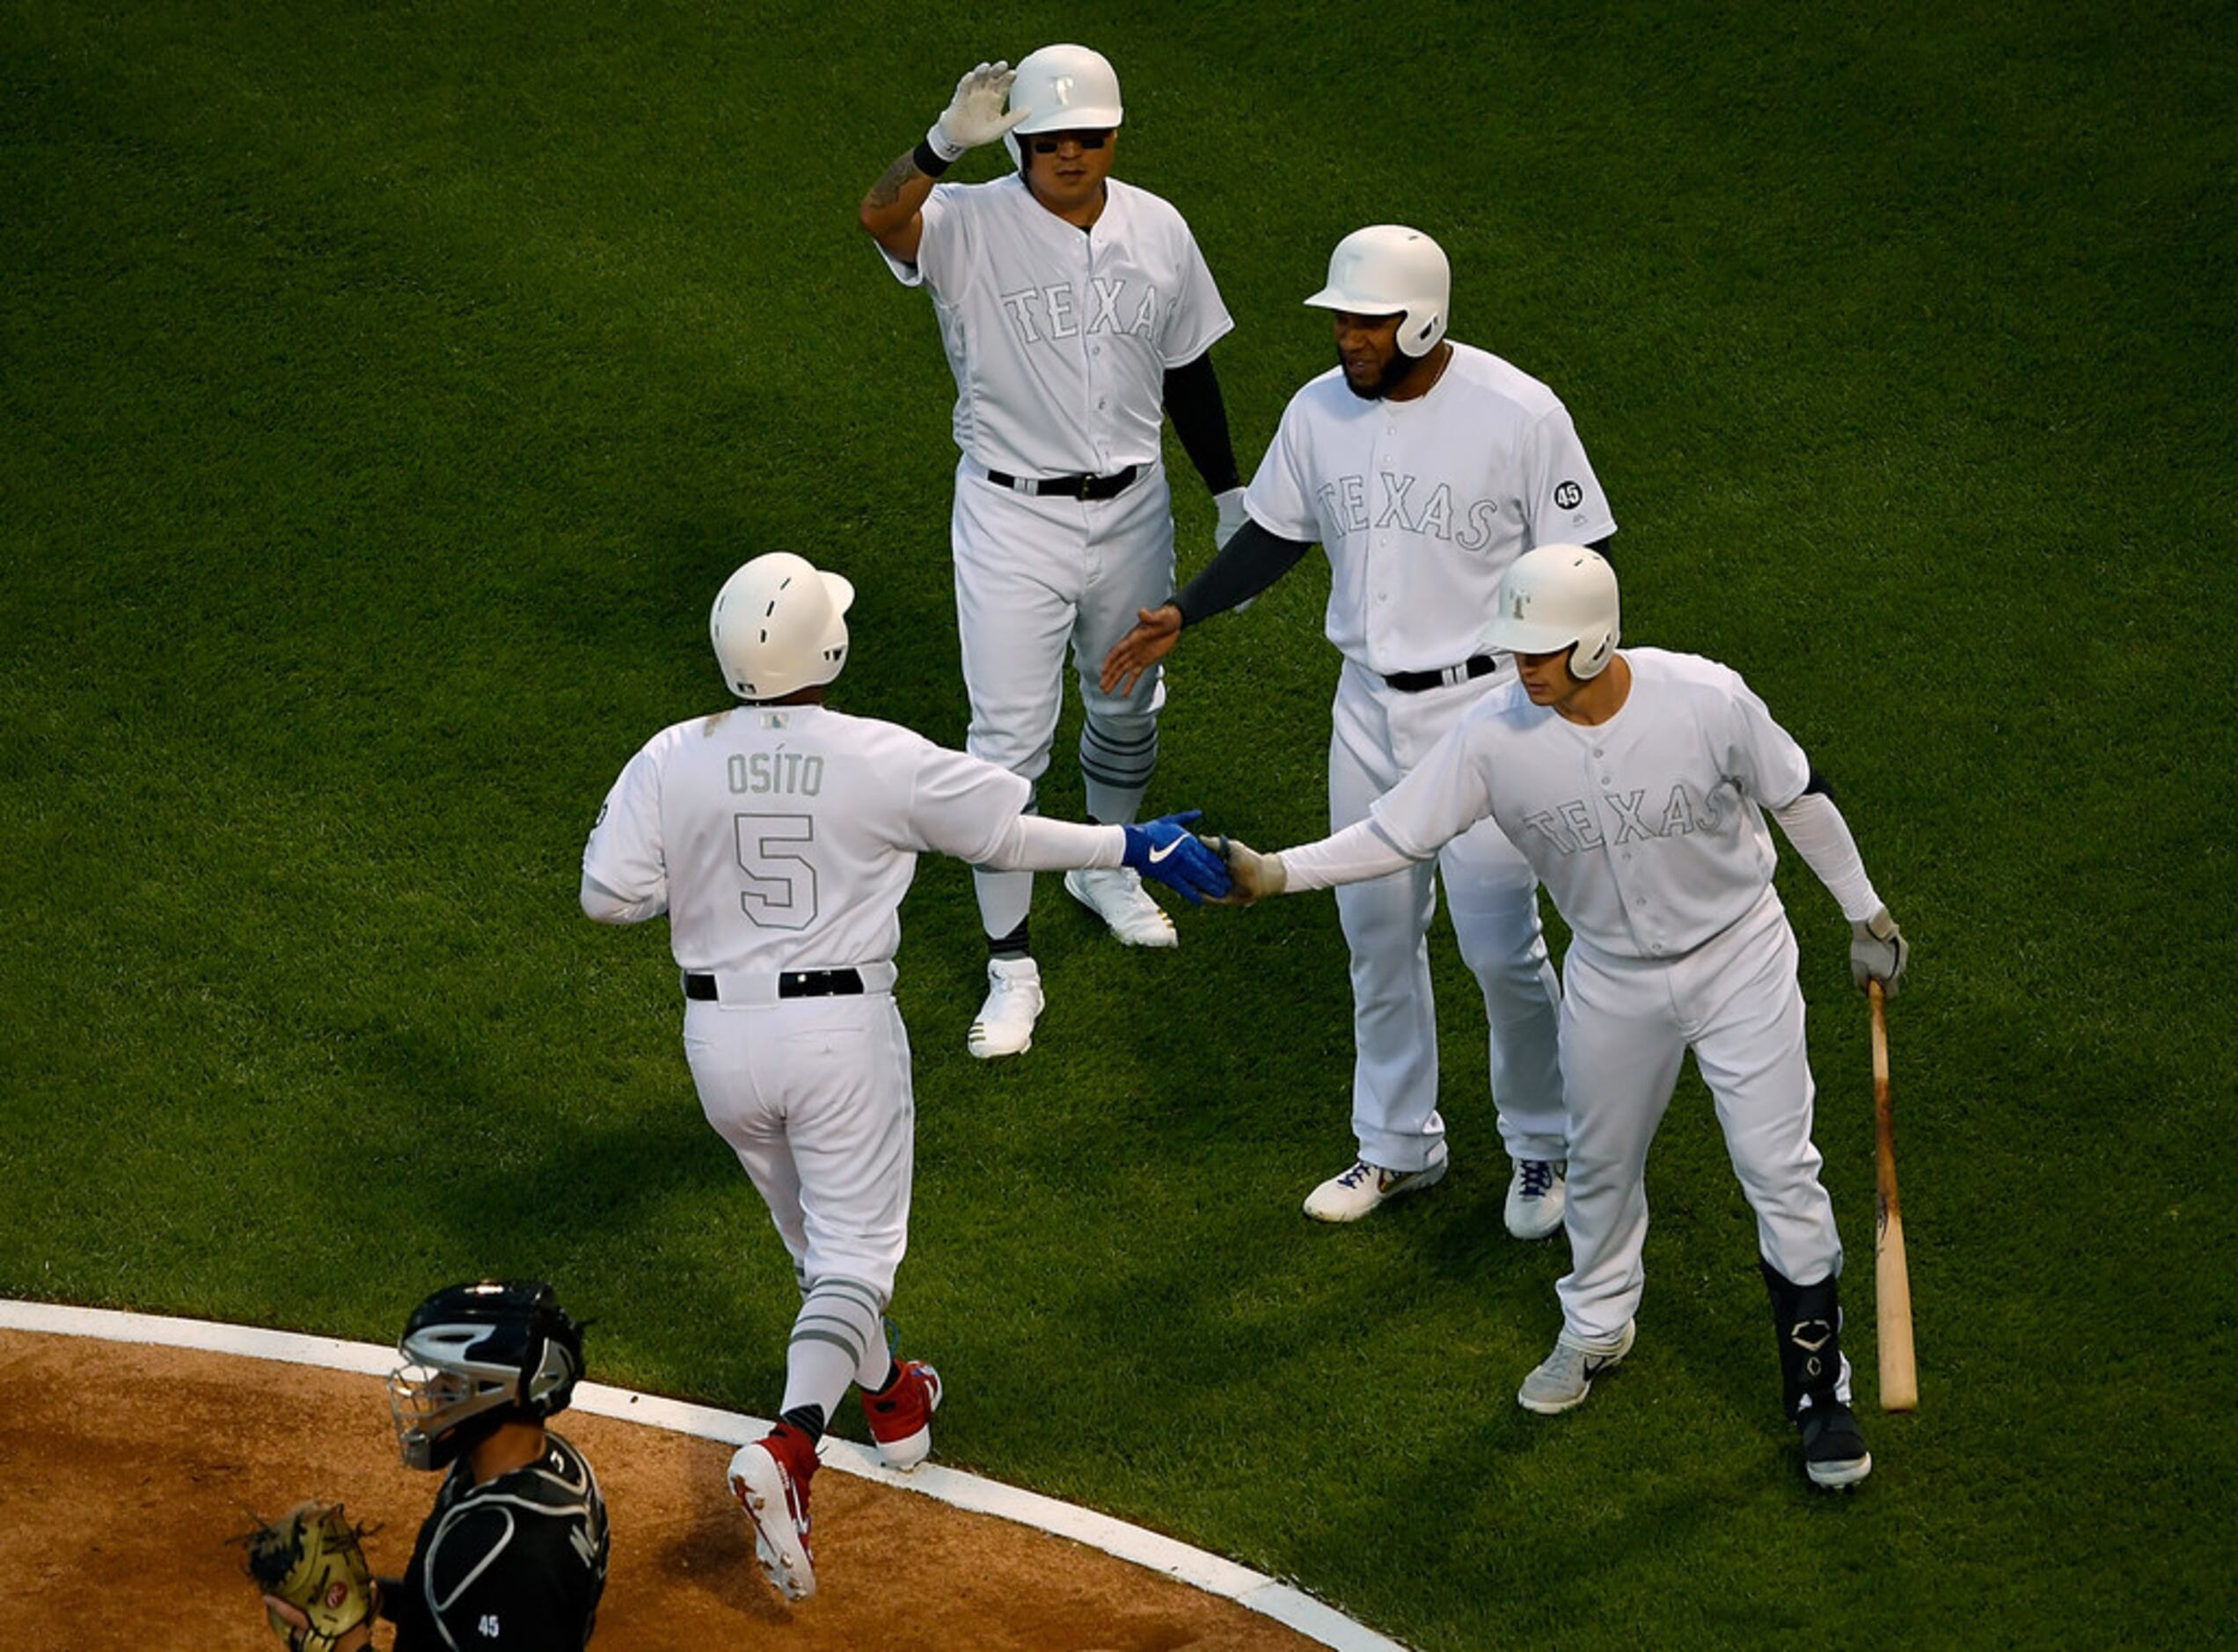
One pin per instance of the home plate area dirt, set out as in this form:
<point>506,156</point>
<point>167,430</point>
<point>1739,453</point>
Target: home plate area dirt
<point>124,1470</point>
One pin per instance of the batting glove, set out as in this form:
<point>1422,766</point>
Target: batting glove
<point>1230,505</point>
<point>1878,952</point>
<point>1253,876</point>
<point>1167,850</point>
<point>975,114</point>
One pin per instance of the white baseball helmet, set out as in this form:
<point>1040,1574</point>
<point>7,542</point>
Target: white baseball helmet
<point>1388,269</point>
<point>1555,596</point>
<point>778,625</point>
<point>1068,88</point>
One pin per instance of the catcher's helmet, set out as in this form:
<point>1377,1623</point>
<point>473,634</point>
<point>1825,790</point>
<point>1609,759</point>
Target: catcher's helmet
<point>1068,88</point>
<point>1558,596</point>
<point>476,1356</point>
<point>778,625</point>
<point>1388,269</point>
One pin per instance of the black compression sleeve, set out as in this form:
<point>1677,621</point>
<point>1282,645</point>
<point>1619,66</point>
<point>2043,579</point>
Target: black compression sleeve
<point>1247,565</point>
<point>1602,545</point>
<point>1200,417</point>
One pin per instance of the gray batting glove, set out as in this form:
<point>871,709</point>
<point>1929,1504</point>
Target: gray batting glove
<point>1251,876</point>
<point>975,114</point>
<point>1878,952</point>
<point>1233,516</point>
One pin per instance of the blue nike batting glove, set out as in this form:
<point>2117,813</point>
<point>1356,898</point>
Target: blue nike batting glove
<point>1167,850</point>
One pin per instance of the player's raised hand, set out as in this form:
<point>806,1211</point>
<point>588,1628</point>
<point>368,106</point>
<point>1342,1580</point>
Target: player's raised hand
<point>1167,850</point>
<point>1251,876</point>
<point>975,114</point>
<point>1156,631</point>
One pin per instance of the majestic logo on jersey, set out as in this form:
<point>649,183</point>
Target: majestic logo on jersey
<point>1571,826</point>
<point>1043,314</point>
<point>1436,515</point>
<point>1570,496</point>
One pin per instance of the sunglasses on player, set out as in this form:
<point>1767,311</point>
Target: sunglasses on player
<point>1048,142</point>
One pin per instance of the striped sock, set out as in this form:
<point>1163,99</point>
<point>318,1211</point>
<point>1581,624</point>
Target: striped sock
<point>840,1332</point>
<point>1117,757</point>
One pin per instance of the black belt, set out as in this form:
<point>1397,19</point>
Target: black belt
<point>1069,487</point>
<point>1415,682</point>
<point>791,984</point>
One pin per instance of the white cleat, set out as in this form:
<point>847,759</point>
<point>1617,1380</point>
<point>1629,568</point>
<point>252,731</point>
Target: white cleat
<point>1536,1195</point>
<point>1117,895</point>
<point>1006,1023</point>
<point>777,1504</point>
<point>1351,1195</point>
<point>1565,1377</point>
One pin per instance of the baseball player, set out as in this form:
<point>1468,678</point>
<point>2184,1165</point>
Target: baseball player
<point>1075,310</point>
<point>514,1552</point>
<point>779,837</point>
<point>1424,467</point>
<point>1637,783</point>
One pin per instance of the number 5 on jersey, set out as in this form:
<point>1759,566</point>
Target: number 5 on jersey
<point>780,890</point>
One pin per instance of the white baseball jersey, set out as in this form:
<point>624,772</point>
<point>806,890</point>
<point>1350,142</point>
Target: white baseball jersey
<point>1059,337</point>
<point>784,837</point>
<point>1648,829</point>
<point>1421,505</point>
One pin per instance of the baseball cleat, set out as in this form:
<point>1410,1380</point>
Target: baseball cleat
<point>770,1479</point>
<point>1348,1196</point>
<point>1565,1377</point>
<point>1535,1199</point>
<point>1117,895</point>
<point>1006,1023</point>
<point>901,1418</point>
<point>1833,1446</point>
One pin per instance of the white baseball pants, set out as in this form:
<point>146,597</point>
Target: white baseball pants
<point>813,1095</point>
<point>1380,733</point>
<point>1626,1024</point>
<point>1034,576</point>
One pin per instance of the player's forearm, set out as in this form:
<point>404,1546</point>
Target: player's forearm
<point>1358,853</point>
<point>1247,565</point>
<point>889,209</point>
<point>605,905</point>
<point>1815,826</point>
<point>1032,844</point>
<point>1200,416</point>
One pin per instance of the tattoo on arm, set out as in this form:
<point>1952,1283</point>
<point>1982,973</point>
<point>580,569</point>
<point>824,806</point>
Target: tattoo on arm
<point>887,189</point>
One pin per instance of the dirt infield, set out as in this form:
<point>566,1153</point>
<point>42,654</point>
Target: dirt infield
<point>124,1469</point>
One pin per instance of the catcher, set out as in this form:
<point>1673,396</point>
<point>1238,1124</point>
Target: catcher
<point>514,1552</point>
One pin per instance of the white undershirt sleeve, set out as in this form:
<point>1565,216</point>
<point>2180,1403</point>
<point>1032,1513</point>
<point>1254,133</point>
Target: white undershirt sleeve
<point>1358,853</point>
<point>1030,844</point>
<point>1823,838</point>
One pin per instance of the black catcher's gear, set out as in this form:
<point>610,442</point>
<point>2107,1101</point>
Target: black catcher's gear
<point>476,1356</point>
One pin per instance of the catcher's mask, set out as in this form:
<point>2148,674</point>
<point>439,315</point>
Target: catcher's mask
<point>476,1356</point>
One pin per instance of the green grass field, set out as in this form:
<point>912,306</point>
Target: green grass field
<point>385,390</point>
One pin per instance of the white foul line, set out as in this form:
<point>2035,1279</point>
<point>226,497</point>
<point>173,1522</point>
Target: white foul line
<point>1252,1591</point>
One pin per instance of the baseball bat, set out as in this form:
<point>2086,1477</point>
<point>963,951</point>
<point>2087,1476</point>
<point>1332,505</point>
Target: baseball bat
<point>1892,1279</point>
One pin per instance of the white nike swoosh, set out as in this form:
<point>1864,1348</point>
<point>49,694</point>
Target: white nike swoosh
<point>1159,856</point>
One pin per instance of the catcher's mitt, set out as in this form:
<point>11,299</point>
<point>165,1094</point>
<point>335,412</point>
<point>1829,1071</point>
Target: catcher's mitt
<point>311,1559</point>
